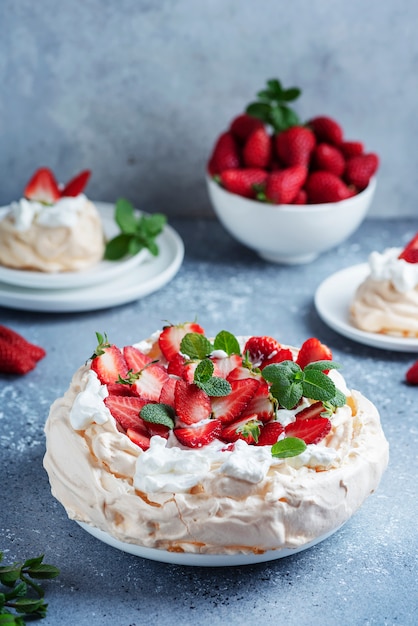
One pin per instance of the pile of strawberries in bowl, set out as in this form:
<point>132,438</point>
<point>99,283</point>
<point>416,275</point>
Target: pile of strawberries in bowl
<point>269,155</point>
<point>287,189</point>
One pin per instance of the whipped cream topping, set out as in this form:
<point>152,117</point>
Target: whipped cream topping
<point>216,499</point>
<point>387,300</point>
<point>387,266</point>
<point>64,212</point>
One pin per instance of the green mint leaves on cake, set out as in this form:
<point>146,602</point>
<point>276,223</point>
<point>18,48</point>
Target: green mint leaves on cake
<point>20,596</point>
<point>138,231</point>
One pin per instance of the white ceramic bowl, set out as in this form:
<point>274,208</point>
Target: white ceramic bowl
<point>287,233</point>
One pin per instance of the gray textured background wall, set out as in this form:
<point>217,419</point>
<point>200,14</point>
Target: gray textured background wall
<point>137,90</point>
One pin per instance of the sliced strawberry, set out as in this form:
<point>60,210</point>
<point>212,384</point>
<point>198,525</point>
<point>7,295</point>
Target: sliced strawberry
<point>176,365</point>
<point>246,428</point>
<point>260,349</point>
<point>150,381</point>
<point>313,350</point>
<point>167,392</point>
<point>119,389</point>
<point>13,359</point>
<point>76,185</point>
<point>171,336</point>
<point>189,370</point>
<point>223,366</point>
<point>261,404</point>
<point>311,430</point>
<point>243,125</point>
<point>139,438</point>
<point>314,410</point>
<point>410,252</point>
<point>135,359</point>
<point>284,354</point>
<point>200,435</point>
<point>42,187</point>
<point>157,429</point>
<point>110,365</point>
<point>241,372</point>
<point>411,375</point>
<point>125,410</point>
<point>270,433</point>
<point>228,408</point>
<point>191,403</point>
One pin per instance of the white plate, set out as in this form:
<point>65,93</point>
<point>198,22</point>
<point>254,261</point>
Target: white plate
<point>99,273</point>
<point>138,282</point>
<point>332,302</point>
<point>199,560</point>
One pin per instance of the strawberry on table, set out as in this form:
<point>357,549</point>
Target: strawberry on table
<point>13,359</point>
<point>411,375</point>
<point>42,187</point>
<point>33,351</point>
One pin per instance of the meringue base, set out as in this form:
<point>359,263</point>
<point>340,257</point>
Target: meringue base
<point>54,249</point>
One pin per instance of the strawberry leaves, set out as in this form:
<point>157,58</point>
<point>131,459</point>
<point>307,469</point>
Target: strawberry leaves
<point>137,232</point>
<point>289,383</point>
<point>272,106</point>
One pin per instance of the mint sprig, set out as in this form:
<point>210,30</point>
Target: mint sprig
<point>20,596</point>
<point>195,346</point>
<point>227,342</point>
<point>137,232</point>
<point>272,106</point>
<point>212,385</point>
<point>289,383</point>
<point>158,414</point>
<point>288,447</point>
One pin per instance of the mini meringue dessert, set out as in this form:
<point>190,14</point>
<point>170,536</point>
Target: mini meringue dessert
<point>52,228</point>
<point>221,446</point>
<point>386,301</point>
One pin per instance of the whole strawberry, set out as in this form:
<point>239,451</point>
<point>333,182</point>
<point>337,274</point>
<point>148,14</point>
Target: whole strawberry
<point>257,149</point>
<point>243,125</point>
<point>328,158</point>
<point>326,129</point>
<point>359,169</point>
<point>294,146</point>
<point>283,186</point>
<point>322,187</point>
<point>225,154</point>
<point>244,182</point>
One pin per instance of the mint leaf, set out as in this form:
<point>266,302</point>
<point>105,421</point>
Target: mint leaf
<point>215,386</point>
<point>227,342</point>
<point>195,346</point>
<point>287,447</point>
<point>125,216</point>
<point>317,385</point>
<point>339,399</point>
<point>158,414</point>
<point>322,365</point>
<point>203,371</point>
<point>287,395</point>
<point>138,232</point>
<point>117,247</point>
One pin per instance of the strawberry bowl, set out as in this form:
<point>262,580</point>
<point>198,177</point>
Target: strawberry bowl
<point>288,233</point>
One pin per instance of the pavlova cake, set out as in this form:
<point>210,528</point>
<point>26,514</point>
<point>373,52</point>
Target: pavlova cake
<point>216,446</point>
<point>387,300</point>
<point>53,228</point>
